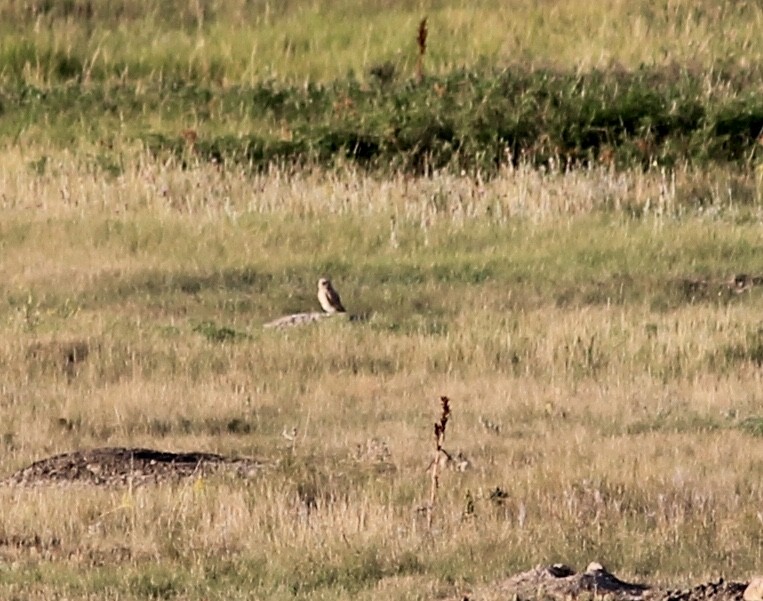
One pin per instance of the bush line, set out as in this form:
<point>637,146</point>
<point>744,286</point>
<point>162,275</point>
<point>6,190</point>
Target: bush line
<point>465,121</point>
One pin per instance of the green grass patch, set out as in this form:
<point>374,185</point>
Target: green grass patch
<point>474,120</point>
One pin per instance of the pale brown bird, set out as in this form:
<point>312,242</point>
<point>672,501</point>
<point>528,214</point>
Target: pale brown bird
<point>328,297</point>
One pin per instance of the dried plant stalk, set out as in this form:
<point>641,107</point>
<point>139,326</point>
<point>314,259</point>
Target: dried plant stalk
<point>421,41</point>
<point>439,435</point>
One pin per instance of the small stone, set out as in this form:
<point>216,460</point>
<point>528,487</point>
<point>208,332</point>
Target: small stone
<point>754,590</point>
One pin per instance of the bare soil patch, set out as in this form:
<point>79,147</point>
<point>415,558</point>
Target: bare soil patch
<point>121,466</point>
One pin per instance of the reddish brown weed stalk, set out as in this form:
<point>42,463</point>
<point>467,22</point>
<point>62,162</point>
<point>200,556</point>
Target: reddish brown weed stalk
<point>421,41</point>
<point>439,435</point>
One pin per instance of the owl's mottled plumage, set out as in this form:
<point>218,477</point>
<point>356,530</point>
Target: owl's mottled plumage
<point>328,297</point>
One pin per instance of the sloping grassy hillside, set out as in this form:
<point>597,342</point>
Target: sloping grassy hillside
<point>243,42</point>
<point>210,81</point>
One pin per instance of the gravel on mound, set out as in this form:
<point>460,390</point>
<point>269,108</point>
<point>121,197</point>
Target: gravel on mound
<point>120,466</point>
<point>560,582</point>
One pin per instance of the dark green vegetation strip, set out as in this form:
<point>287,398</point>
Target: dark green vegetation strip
<point>466,120</point>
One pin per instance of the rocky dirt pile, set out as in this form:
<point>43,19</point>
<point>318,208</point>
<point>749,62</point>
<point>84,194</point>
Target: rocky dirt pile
<point>134,466</point>
<point>560,582</point>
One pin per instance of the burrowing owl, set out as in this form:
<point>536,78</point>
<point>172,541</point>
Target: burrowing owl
<point>328,297</point>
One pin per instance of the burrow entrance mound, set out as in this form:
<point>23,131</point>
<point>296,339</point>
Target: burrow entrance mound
<point>128,466</point>
<point>560,582</point>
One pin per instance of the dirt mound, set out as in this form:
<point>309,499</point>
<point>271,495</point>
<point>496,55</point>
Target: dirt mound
<point>296,319</point>
<point>120,466</point>
<point>561,582</point>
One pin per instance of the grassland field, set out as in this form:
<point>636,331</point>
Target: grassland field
<point>545,227</point>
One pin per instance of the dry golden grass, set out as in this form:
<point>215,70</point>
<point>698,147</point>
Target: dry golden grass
<point>605,383</point>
